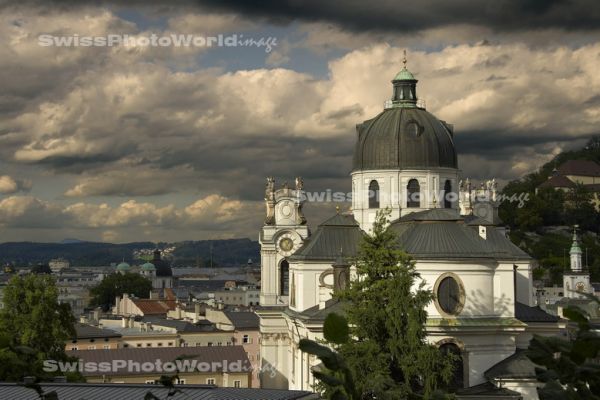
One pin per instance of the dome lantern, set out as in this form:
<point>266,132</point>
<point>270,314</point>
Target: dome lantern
<point>405,87</point>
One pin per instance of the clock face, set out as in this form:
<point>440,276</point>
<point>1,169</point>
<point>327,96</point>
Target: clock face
<point>286,244</point>
<point>580,286</point>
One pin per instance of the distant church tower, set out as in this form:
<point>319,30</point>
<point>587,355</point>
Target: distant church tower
<point>284,231</point>
<point>576,280</point>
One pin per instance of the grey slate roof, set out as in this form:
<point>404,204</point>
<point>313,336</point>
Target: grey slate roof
<point>340,232</point>
<point>527,313</point>
<point>85,331</point>
<point>385,142</point>
<point>517,366</point>
<point>165,354</point>
<point>120,391</point>
<point>243,320</point>
<point>443,234</point>
<point>487,390</point>
<point>314,314</point>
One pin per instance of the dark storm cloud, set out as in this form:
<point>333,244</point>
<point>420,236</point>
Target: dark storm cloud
<point>392,15</point>
<point>384,15</point>
<point>500,145</point>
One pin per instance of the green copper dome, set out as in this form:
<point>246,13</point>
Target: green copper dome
<point>148,267</point>
<point>123,266</point>
<point>404,75</point>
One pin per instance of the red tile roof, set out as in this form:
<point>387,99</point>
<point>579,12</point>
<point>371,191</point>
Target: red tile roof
<point>558,181</point>
<point>580,168</point>
<point>154,307</point>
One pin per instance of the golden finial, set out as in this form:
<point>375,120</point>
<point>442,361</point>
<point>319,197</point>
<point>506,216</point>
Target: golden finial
<point>337,209</point>
<point>404,60</point>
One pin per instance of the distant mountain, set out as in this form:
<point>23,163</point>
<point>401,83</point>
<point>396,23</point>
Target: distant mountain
<point>71,241</point>
<point>230,252</point>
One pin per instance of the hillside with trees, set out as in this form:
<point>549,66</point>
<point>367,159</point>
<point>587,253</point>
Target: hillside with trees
<point>543,226</point>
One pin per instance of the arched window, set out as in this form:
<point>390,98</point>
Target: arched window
<point>447,193</point>
<point>373,194</point>
<point>284,278</point>
<point>413,193</point>
<point>457,381</point>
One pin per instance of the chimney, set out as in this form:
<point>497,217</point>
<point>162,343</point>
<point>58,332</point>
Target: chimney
<point>96,315</point>
<point>196,311</point>
<point>118,305</point>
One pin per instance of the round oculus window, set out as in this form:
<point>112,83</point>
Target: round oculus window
<point>449,296</point>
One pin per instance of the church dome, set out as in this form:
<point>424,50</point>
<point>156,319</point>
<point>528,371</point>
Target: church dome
<point>404,135</point>
<point>148,267</point>
<point>123,267</point>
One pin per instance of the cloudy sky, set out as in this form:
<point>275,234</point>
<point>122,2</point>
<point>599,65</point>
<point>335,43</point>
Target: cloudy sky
<point>172,143</point>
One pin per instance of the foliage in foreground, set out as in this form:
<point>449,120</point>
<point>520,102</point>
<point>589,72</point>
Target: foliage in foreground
<point>380,351</point>
<point>571,366</point>
<point>33,327</point>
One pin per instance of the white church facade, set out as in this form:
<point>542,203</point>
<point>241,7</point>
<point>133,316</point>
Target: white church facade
<point>405,160</point>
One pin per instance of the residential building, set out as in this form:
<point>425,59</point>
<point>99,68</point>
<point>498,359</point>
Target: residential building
<point>225,366</point>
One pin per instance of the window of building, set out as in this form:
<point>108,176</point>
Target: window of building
<point>170,344</point>
<point>151,382</point>
<point>246,339</point>
<point>74,348</point>
<point>284,278</point>
<point>219,343</point>
<point>447,194</point>
<point>160,344</point>
<point>237,384</point>
<point>125,345</point>
<point>148,344</point>
<point>457,381</point>
<point>106,347</point>
<point>180,381</point>
<point>373,194</point>
<point>139,345</point>
<point>449,294</point>
<point>209,344</point>
<point>413,194</point>
<point>210,381</point>
<point>92,347</point>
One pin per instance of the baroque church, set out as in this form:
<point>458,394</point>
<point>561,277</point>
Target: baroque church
<point>484,308</point>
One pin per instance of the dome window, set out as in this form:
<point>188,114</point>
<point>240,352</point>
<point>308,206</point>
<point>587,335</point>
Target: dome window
<point>447,194</point>
<point>413,194</point>
<point>414,129</point>
<point>374,194</point>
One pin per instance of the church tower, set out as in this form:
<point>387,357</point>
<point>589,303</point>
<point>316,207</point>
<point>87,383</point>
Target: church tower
<point>576,280</point>
<point>404,158</point>
<point>284,231</point>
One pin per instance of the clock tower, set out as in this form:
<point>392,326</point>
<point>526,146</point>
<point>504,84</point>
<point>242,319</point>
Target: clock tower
<point>284,231</point>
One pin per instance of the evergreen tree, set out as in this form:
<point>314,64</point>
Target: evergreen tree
<point>386,350</point>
